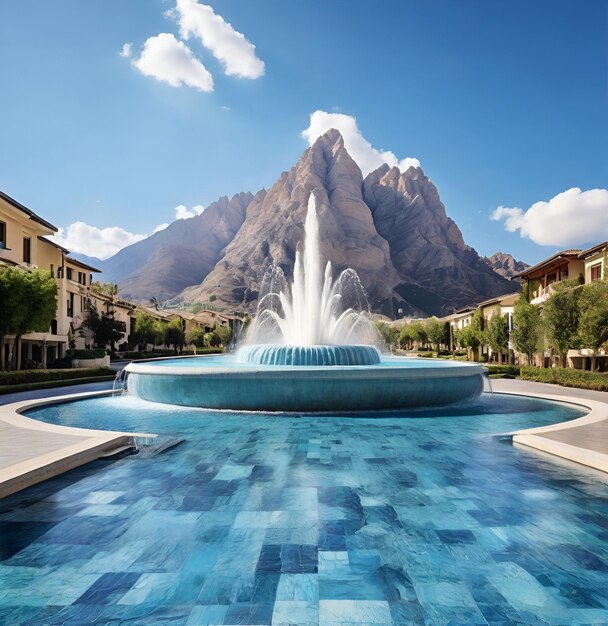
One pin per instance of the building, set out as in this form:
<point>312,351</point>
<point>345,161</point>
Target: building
<point>24,244</point>
<point>541,277</point>
<point>595,261</point>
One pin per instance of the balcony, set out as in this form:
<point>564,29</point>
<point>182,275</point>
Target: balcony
<point>542,294</point>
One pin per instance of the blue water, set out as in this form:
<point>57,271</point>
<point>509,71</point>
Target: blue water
<point>230,360</point>
<point>260,519</point>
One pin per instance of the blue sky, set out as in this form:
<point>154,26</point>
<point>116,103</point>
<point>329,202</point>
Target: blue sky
<point>504,104</point>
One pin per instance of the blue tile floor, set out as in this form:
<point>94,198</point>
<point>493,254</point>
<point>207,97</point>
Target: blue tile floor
<point>267,519</point>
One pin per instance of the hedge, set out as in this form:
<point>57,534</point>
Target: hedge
<point>20,377</point>
<point>97,353</point>
<point>505,371</point>
<point>169,353</point>
<point>581,379</point>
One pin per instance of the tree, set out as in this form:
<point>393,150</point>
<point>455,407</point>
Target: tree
<point>106,330</point>
<point>13,286</point>
<point>406,337</point>
<point>468,337</point>
<point>593,320</point>
<point>224,333</point>
<point>36,305</point>
<point>389,334</point>
<point>497,334</point>
<point>174,334</point>
<point>419,335</point>
<point>212,340</point>
<point>147,330</point>
<point>197,337</point>
<point>526,333</point>
<point>560,317</point>
<point>435,331</point>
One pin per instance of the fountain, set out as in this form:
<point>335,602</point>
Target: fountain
<point>311,347</point>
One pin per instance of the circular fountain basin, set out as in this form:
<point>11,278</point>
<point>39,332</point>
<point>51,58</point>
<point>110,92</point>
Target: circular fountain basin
<point>225,382</point>
<point>308,355</point>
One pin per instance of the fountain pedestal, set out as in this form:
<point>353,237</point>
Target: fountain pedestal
<point>263,354</point>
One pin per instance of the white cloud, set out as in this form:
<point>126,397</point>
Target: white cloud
<point>171,61</point>
<point>92,241</point>
<point>367,157</point>
<point>227,45</point>
<point>127,50</point>
<point>183,213</point>
<point>571,218</point>
<point>160,227</point>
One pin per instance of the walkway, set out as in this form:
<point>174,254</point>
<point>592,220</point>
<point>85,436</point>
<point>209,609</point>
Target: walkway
<point>32,451</point>
<point>584,440</point>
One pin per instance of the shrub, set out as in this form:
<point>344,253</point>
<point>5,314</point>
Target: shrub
<point>33,376</point>
<point>426,355</point>
<point>581,379</point>
<point>507,370</point>
<point>97,353</point>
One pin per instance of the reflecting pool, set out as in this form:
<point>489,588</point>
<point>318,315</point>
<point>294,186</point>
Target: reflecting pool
<point>261,518</point>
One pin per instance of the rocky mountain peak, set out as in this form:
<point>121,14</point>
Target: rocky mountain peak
<point>505,265</point>
<point>391,227</point>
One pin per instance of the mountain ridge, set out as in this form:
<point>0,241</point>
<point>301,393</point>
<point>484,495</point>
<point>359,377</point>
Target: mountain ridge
<point>391,227</point>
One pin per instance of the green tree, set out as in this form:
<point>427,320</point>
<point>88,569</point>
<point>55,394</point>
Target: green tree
<point>436,332</point>
<point>406,337</point>
<point>197,337</point>
<point>224,333</point>
<point>560,317</point>
<point>13,287</point>
<point>174,334</point>
<point>388,334</point>
<point>147,330</point>
<point>593,320</point>
<point>212,340</point>
<point>527,328</point>
<point>418,330</point>
<point>497,334</point>
<point>106,330</point>
<point>468,337</point>
<point>28,303</point>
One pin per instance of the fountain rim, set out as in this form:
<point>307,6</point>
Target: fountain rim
<point>362,372</point>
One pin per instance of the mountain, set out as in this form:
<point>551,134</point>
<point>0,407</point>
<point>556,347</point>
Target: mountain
<point>89,260</point>
<point>438,271</point>
<point>392,228</point>
<point>274,227</point>
<point>181,255</point>
<point>505,265</point>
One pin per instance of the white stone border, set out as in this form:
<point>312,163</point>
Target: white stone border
<point>532,437</point>
<point>90,444</point>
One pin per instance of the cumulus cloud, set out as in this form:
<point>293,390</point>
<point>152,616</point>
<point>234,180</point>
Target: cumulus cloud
<point>127,50</point>
<point>183,213</point>
<point>92,241</point>
<point>160,227</point>
<point>171,61</point>
<point>228,46</point>
<point>571,218</point>
<point>367,157</point>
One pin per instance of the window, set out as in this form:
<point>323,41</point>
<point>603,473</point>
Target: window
<point>70,304</point>
<point>2,235</point>
<point>68,273</point>
<point>27,250</point>
<point>596,272</point>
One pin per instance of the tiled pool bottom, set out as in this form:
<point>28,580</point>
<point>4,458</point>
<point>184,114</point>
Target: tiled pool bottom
<point>260,519</point>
